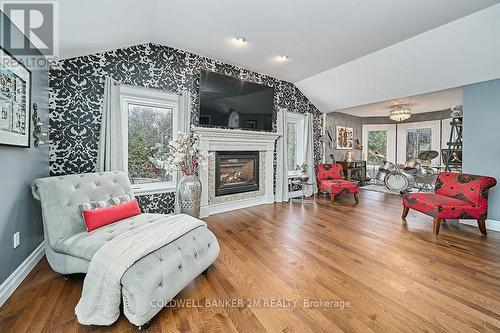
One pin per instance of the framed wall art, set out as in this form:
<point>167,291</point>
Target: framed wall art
<point>456,157</point>
<point>15,99</point>
<point>344,137</point>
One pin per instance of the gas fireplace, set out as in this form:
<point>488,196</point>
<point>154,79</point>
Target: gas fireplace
<point>236,172</point>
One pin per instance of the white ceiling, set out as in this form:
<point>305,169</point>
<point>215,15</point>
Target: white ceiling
<point>316,34</point>
<point>435,101</point>
<point>456,54</point>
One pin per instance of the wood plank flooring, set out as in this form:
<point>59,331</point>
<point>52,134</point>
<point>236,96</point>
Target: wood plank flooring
<point>395,277</point>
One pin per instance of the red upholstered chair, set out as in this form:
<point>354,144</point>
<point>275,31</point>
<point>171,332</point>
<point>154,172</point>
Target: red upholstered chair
<point>329,178</point>
<point>456,196</point>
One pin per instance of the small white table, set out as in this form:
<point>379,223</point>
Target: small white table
<point>307,187</point>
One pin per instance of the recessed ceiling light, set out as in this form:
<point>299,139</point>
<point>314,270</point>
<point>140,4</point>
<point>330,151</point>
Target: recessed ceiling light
<point>240,40</point>
<point>283,58</point>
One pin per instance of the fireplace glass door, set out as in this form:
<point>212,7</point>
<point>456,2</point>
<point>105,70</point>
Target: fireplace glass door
<point>236,172</point>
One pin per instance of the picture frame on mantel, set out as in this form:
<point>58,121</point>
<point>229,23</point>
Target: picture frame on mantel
<point>15,101</point>
<point>345,137</point>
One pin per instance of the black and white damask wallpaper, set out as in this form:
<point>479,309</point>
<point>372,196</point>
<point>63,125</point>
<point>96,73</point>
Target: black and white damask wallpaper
<point>160,203</point>
<point>76,95</point>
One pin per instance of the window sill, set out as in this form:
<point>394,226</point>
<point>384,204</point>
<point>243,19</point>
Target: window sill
<point>151,189</point>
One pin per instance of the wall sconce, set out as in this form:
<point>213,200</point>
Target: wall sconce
<point>39,136</point>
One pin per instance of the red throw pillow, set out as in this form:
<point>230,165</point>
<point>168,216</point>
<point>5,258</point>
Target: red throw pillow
<point>103,216</point>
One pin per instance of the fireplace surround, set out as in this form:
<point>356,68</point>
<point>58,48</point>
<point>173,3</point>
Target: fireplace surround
<point>219,140</point>
<point>236,172</point>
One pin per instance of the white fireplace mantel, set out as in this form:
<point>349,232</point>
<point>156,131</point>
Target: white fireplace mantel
<point>220,139</point>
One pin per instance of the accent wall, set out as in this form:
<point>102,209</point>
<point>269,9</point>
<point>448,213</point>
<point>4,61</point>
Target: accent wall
<point>76,95</point>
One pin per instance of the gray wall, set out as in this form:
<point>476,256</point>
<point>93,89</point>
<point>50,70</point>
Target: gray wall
<point>18,168</point>
<point>482,136</point>
<point>426,116</point>
<point>335,119</point>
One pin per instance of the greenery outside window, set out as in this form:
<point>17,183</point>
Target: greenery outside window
<point>150,123</point>
<point>377,145</point>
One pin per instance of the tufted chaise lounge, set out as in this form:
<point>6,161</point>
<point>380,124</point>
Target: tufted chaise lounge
<point>69,247</point>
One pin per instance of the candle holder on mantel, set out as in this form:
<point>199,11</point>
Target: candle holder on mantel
<point>38,135</point>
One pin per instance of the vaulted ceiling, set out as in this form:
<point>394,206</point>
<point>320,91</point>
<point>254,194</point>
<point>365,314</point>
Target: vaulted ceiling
<point>317,35</point>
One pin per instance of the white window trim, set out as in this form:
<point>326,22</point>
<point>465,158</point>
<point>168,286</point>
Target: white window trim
<point>391,139</point>
<point>434,125</point>
<point>299,120</point>
<point>153,98</point>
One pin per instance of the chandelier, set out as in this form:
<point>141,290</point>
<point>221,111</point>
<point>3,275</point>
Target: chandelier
<point>400,113</point>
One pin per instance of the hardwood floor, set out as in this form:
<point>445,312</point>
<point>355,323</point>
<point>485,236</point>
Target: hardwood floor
<point>396,277</point>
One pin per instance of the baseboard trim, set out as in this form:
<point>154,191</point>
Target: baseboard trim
<point>490,224</point>
<point>237,204</point>
<point>14,280</point>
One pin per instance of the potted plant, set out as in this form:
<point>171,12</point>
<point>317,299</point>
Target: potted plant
<point>185,155</point>
<point>302,170</point>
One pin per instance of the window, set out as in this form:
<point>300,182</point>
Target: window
<point>150,123</point>
<point>413,138</point>
<point>378,141</point>
<point>377,147</point>
<point>292,146</point>
<point>295,142</point>
<point>417,141</point>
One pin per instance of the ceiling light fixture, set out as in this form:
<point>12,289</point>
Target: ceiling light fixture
<point>240,40</point>
<point>283,58</point>
<point>400,113</point>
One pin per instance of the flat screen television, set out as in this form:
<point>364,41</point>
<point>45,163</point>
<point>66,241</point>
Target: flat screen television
<point>234,103</point>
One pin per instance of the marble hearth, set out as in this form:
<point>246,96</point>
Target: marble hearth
<point>226,140</point>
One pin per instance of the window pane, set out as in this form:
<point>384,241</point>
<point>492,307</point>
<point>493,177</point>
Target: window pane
<point>292,146</point>
<point>147,127</point>
<point>417,141</point>
<point>377,144</point>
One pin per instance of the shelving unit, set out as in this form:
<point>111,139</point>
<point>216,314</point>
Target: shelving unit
<point>453,159</point>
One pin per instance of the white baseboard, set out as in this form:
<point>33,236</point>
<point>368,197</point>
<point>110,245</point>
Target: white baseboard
<point>15,279</point>
<point>490,224</point>
<point>236,204</point>
<point>204,212</point>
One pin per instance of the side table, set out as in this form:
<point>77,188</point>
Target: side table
<point>307,187</point>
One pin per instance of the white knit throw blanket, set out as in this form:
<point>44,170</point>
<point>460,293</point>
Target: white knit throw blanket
<point>101,295</point>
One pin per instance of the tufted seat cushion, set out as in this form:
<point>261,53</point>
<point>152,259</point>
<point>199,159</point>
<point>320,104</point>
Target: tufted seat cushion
<point>151,281</point>
<point>156,278</point>
<point>85,244</point>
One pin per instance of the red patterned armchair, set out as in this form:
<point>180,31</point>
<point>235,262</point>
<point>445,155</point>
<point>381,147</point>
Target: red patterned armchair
<point>329,178</point>
<point>456,196</point>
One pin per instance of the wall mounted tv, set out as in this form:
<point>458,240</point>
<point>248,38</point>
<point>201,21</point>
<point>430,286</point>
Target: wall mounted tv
<point>234,103</point>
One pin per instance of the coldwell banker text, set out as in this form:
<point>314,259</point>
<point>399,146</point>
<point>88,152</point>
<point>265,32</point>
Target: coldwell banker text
<point>276,303</point>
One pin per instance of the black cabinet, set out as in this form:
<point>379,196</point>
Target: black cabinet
<point>355,170</point>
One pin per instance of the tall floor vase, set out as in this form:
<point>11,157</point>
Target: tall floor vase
<point>189,195</point>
